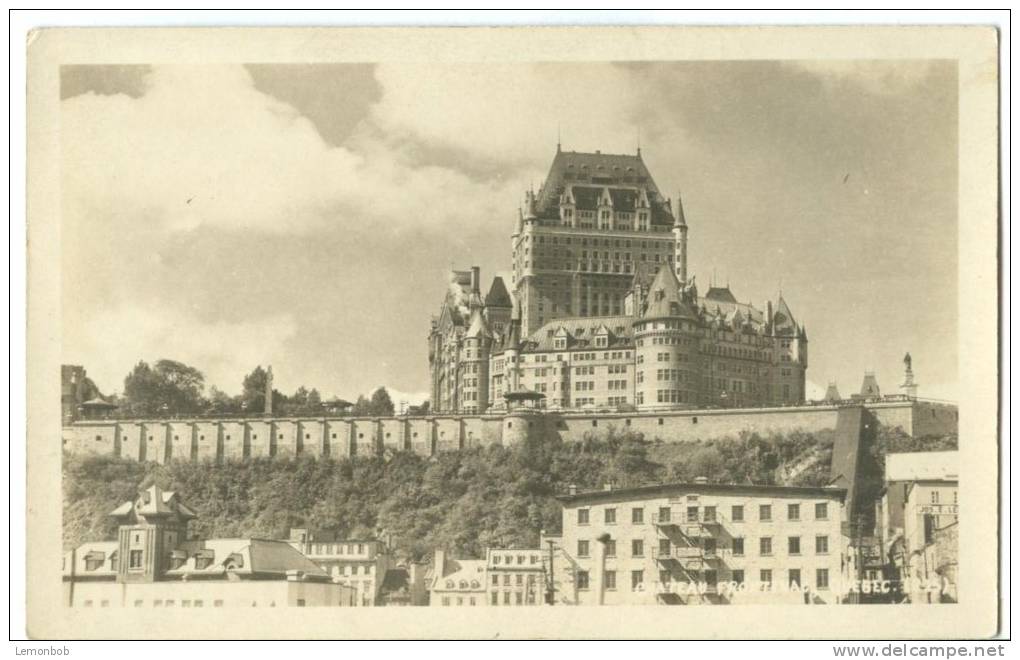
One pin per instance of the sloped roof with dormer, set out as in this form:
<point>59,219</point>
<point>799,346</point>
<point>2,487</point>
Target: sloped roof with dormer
<point>664,298</point>
<point>580,333</point>
<point>589,174</point>
<point>479,328</point>
<point>152,502</point>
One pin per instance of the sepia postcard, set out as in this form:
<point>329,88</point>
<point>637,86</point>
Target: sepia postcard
<point>561,333</point>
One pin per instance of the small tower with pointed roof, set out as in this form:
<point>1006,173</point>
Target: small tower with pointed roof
<point>150,529</point>
<point>680,234</point>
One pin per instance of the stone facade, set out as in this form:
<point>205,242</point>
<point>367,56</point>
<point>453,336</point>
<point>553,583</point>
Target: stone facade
<point>603,316</point>
<point>241,439</point>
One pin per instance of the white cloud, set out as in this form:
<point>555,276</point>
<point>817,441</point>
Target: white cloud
<point>874,76</point>
<point>111,341</point>
<point>510,112</point>
<point>203,148</point>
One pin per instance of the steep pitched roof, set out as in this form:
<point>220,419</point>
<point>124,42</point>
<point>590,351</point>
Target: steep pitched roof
<point>498,296</point>
<point>783,320</point>
<point>720,294</point>
<point>664,297</point>
<point>589,173</point>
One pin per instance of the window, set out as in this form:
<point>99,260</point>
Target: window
<point>738,546</point>
<point>793,512</point>
<point>519,598</point>
<point>794,580</point>
<point>765,512</point>
<point>692,514</point>
<point>610,548</point>
<point>737,513</point>
<point>821,545</point>
<point>495,580</point>
<point>709,546</point>
<point>582,516</point>
<point>637,578</point>
<point>822,578</point>
<point>664,547</point>
<point>300,602</point>
<point>793,545</point>
<point>610,579</point>
<point>506,580</point>
<point>217,603</point>
<point>711,579</point>
<point>637,515</point>
<point>765,577</point>
<point>582,579</point>
<point>495,598</point>
<point>821,511</point>
<point>520,580</point>
<point>737,576</point>
<point>709,514</point>
<point>471,601</point>
<point>446,601</point>
<point>637,548</point>
<point>664,514</point>
<point>138,603</point>
<point>610,516</point>
<point>765,546</point>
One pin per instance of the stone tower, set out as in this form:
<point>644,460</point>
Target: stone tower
<point>667,336</point>
<point>582,236</point>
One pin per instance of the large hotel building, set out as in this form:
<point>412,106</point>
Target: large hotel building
<point>602,312</point>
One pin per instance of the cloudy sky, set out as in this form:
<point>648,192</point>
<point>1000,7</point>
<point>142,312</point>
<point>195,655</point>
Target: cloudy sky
<point>304,216</point>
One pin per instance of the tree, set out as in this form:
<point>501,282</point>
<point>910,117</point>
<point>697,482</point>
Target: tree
<point>362,407</point>
<point>382,405</point>
<point>253,393</point>
<point>170,387</point>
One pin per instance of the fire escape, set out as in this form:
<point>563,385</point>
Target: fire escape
<point>687,548</point>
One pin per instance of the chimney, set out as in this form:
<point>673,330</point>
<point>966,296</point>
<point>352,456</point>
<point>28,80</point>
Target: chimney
<point>475,279</point>
<point>572,489</point>
<point>439,563</point>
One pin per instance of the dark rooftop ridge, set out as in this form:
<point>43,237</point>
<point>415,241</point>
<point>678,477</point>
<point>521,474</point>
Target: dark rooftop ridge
<point>654,489</point>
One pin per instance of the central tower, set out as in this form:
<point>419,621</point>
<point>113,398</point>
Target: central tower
<point>579,240</point>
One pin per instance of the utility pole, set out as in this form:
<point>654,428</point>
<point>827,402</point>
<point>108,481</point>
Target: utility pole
<point>550,587</point>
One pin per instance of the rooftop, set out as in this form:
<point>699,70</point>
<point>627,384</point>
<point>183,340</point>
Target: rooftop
<point>922,466</point>
<point>661,490</point>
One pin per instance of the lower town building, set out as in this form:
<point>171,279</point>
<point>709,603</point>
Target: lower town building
<point>152,564</point>
<point>456,582</point>
<point>516,577</point>
<point>701,543</point>
<point>919,524</point>
<point>361,564</point>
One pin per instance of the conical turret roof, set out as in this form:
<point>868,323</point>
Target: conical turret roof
<point>664,297</point>
<point>479,328</point>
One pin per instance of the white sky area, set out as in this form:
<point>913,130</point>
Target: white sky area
<point>304,216</point>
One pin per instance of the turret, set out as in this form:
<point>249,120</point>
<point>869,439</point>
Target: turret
<point>666,332</point>
<point>680,234</point>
